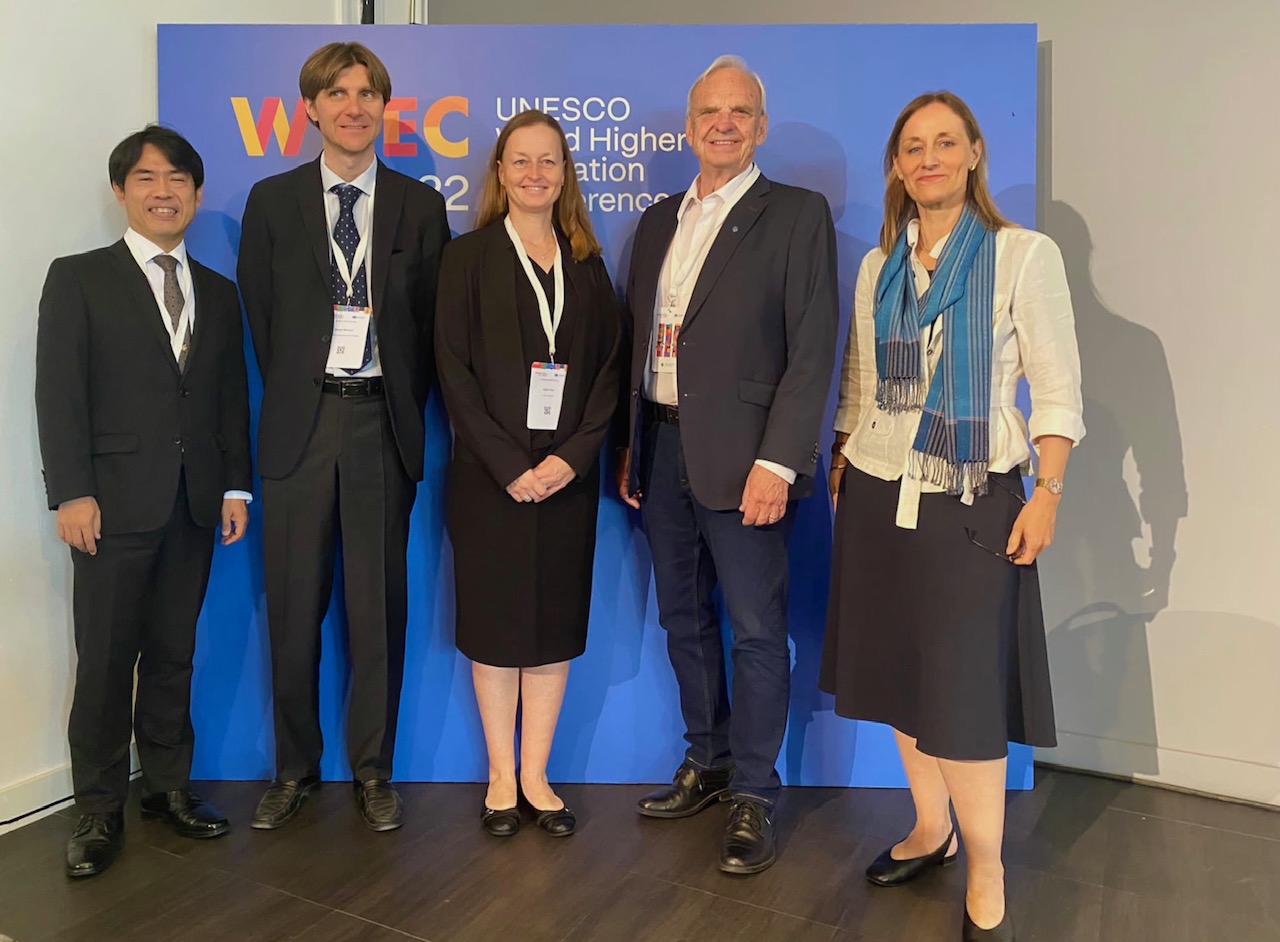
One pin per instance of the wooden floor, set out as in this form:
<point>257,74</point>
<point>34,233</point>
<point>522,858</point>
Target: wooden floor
<point>1088,861</point>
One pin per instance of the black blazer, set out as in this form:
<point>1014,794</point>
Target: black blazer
<point>284,277</point>
<point>483,371</point>
<point>758,341</point>
<point>117,421</point>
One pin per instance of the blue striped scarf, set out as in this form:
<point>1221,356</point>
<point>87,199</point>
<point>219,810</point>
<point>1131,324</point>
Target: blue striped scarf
<point>952,446</point>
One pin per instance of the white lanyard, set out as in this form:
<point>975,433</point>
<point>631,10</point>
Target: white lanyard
<point>550,320</point>
<point>178,334</point>
<point>680,269</point>
<point>339,258</point>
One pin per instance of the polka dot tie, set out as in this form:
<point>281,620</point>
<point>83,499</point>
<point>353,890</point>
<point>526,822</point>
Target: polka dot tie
<point>174,303</point>
<point>347,238</point>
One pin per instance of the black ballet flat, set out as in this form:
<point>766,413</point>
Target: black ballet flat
<point>504,822</point>
<point>558,823</point>
<point>886,871</point>
<point>1000,933</point>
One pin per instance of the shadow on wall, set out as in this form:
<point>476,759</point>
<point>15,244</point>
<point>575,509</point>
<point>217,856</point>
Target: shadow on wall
<point>1108,575</point>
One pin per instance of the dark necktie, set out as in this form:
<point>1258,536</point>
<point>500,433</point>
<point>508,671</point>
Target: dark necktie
<point>347,238</point>
<point>174,302</point>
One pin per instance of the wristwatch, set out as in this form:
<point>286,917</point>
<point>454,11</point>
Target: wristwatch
<point>1052,485</point>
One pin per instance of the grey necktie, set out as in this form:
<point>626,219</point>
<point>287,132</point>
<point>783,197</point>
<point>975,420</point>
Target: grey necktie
<point>174,302</point>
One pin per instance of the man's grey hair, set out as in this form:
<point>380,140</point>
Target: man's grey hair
<point>728,62</point>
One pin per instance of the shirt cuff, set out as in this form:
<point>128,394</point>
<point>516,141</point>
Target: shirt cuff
<point>238,495</point>
<point>785,473</point>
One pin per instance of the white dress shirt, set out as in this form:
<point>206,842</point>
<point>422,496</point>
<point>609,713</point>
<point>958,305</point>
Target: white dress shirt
<point>1033,336</point>
<point>698,224</point>
<point>144,252</point>
<point>363,212</point>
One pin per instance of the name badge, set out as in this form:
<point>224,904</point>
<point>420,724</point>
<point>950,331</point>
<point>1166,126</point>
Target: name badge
<point>350,328</point>
<point>666,338</point>
<point>546,394</point>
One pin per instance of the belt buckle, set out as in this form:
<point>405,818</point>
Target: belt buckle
<point>351,389</point>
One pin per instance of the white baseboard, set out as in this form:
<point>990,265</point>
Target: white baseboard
<point>1210,775</point>
<point>52,788</point>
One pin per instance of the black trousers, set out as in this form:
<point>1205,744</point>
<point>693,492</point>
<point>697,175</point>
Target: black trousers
<point>136,602</point>
<point>349,486</point>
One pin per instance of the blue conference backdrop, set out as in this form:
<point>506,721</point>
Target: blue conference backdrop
<point>620,92</point>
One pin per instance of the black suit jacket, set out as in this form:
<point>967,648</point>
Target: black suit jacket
<point>758,341</point>
<point>284,277</point>
<point>117,421</point>
<point>483,371</point>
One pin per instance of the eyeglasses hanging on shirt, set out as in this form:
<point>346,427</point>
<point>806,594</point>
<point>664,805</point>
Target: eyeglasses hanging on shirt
<point>546,380</point>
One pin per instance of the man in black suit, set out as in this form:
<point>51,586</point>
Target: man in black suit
<point>142,408</point>
<point>733,299</point>
<point>338,266</point>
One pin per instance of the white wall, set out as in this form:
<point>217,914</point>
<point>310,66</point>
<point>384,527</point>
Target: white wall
<point>88,78</point>
<point>1161,185</point>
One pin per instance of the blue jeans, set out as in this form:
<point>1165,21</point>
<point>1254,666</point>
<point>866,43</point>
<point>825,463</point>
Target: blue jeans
<point>693,549</point>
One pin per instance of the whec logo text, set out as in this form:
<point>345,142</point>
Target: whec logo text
<point>398,131</point>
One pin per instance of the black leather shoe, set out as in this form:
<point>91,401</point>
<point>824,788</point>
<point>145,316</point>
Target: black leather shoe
<point>504,822</point>
<point>186,813</point>
<point>690,791</point>
<point>95,843</point>
<point>1000,933</point>
<point>747,845</point>
<point>379,804</point>
<point>281,802</point>
<point>886,871</point>
<point>559,823</point>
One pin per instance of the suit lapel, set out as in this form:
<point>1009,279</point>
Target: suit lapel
<point>141,298</point>
<point>388,201</point>
<point>200,283</point>
<point>500,325</point>
<point>309,191</point>
<point>651,273</point>
<point>735,228</point>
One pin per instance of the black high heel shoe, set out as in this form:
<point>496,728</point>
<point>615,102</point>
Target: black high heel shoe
<point>1000,933</point>
<point>503,822</point>
<point>886,871</point>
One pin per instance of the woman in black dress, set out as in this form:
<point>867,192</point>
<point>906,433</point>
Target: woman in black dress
<point>527,335</point>
<point>934,623</point>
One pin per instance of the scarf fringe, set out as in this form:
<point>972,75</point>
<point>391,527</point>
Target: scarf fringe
<point>954,477</point>
<point>894,395</point>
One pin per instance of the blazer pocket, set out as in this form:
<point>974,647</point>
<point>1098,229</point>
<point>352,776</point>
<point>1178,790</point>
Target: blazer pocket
<point>114,444</point>
<point>760,394</point>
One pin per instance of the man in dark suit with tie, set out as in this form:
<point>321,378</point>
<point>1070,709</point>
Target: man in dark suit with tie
<point>338,266</point>
<point>733,301</point>
<point>142,408</point>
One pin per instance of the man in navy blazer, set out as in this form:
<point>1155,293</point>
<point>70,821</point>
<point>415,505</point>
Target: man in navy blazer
<point>732,296</point>
<point>338,266</point>
<point>142,407</point>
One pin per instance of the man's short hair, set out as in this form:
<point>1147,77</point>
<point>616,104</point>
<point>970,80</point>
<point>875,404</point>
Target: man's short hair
<point>176,149</point>
<point>322,68</point>
<point>728,62</point>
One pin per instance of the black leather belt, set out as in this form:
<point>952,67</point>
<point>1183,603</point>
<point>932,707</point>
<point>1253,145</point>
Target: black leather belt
<point>353,388</point>
<point>656,412</point>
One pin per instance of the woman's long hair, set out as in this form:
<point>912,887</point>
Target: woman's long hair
<point>899,208</point>
<point>569,212</point>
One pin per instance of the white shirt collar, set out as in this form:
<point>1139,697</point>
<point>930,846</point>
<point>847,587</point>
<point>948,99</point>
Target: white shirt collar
<point>364,183</point>
<point>729,193</point>
<point>913,236</point>
<point>144,250</point>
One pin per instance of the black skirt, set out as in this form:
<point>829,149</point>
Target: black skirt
<point>521,572</point>
<point>930,632</point>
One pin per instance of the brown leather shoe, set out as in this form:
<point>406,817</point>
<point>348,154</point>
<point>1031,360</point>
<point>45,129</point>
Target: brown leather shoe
<point>379,804</point>
<point>95,844</point>
<point>690,791</point>
<point>186,813</point>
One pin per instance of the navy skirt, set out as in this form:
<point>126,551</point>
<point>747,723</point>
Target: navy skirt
<point>930,631</point>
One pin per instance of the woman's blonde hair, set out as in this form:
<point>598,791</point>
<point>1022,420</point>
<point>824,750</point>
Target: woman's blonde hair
<point>569,212</point>
<point>899,208</point>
